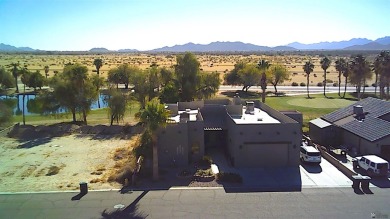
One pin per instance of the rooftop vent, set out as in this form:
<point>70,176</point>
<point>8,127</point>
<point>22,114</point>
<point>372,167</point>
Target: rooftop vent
<point>359,113</point>
<point>358,110</point>
<point>250,107</point>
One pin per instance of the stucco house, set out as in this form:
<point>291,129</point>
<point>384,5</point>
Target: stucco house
<point>364,127</point>
<point>249,133</point>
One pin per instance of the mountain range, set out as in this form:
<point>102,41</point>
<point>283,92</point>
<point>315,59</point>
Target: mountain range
<point>352,44</point>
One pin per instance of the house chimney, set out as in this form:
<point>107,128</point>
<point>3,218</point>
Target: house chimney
<point>236,99</point>
<point>250,107</point>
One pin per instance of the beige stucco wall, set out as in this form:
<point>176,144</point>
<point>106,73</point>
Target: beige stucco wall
<point>270,140</point>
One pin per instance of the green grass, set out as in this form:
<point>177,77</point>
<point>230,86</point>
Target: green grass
<point>312,108</point>
<point>94,117</point>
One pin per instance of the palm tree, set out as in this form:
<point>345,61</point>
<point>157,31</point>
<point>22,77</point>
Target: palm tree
<point>98,63</point>
<point>25,77</point>
<point>46,68</point>
<point>308,68</point>
<point>325,63</point>
<point>340,67</point>
<point>382,67</point>
<point>376,68</point>
<point>15,73</point>
<point>154,116</point>
<point>347,69</point>
<point>360,70</point>
<point>263,65</point>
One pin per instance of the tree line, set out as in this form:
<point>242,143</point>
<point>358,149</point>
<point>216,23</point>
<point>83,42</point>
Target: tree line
<point>74,89</point>
<point>356,70</point>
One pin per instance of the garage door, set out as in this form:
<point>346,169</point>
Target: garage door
<point>263,155</point>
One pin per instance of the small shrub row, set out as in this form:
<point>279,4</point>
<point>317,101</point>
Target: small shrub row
<point>204,173</point>
<point>294,84</point>
<point>229,177</point>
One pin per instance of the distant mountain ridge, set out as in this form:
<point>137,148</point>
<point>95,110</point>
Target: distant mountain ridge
<point>9,48</point>
<point>221,47</point>
<point>352,44</point>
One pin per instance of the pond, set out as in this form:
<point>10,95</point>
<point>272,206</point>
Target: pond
<point>17,103</point>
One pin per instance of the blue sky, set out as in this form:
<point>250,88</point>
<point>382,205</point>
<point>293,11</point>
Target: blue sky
<point>149,24</point>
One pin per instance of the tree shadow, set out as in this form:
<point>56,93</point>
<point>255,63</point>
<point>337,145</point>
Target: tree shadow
<point>131,211</point>
<point>242,94</point>
<point>33,143</point>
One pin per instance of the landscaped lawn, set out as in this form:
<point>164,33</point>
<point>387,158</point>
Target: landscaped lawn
<point>312,108</point>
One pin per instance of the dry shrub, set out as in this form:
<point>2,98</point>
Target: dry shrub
<point>95,180</point>
<point>125,163</point>
<point>53,170</point>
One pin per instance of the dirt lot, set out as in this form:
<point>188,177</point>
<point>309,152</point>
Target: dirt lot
<point>58,163</point>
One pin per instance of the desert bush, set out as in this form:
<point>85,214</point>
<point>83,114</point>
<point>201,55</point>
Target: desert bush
<point>53,170</point>
<point>374,85</point>
<point>329,81</point>
<point>302,84</point>
<point>319,84</point>
<point>204,173</point>
<point>335,84</point>
<point>122,175</point>
<point>294,84</point>
<point>229,177</point>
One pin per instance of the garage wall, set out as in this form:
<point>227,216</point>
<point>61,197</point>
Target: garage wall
<point>363,147</point>
<point>259,142</point>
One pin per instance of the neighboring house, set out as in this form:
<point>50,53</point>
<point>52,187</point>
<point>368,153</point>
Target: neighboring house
<point>250,135</point>
<point>363,127</point>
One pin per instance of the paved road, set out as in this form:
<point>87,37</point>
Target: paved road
<point>291,89</point>
<point>211,203</point>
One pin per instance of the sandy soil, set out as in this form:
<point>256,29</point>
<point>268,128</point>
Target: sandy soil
<point>59,163</point>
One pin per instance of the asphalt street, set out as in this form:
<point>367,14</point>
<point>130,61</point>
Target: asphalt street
<point>199,203</point>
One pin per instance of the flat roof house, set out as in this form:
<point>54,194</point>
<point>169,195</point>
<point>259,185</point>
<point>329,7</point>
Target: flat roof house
<point>363,126</point>
<point>250,134</point>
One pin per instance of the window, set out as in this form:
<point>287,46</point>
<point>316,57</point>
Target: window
<point>372,164</point>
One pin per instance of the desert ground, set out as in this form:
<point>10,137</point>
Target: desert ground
<point>59,163</point>
<point>209,63</point>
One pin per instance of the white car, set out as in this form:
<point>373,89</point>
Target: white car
<point>310,154</point>
<point>374,165</point>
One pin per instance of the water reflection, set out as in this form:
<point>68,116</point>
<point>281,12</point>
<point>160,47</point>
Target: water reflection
<point>30,107</point>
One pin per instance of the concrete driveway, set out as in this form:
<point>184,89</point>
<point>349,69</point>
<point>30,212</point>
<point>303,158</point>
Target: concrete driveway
<point>282,179</point>
<point>323,175</point>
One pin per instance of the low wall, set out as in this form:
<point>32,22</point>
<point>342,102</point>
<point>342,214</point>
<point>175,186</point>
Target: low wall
<point>345,170</point>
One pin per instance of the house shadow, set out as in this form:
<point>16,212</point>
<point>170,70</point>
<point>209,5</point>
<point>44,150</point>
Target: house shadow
<point>312,168</point>
<point>131,211</point>
<point>286,179</point>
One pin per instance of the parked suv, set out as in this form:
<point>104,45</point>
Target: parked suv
<point>310,154</point>
<point>374,165</point>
